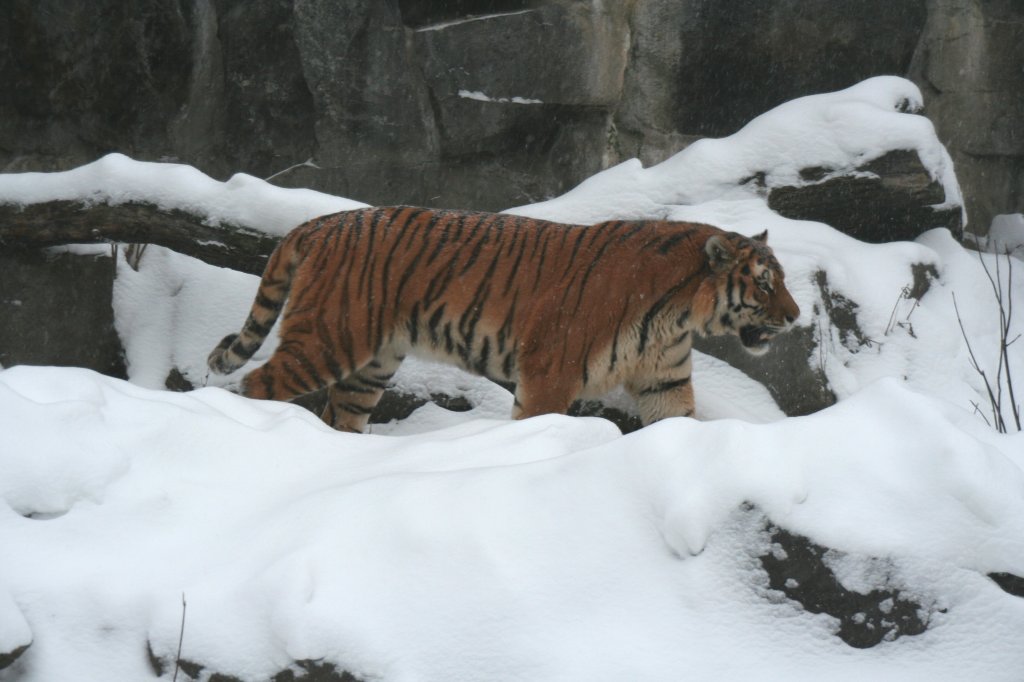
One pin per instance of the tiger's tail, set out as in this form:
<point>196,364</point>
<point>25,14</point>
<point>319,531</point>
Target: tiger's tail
<point>234,350</point>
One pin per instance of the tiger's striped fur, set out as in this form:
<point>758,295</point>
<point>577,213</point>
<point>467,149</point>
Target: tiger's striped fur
<point>562,311</point>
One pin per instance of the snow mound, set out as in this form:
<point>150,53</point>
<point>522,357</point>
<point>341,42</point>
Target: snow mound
<point>550,549</point>
<point>839,131</point>
<point>117,179</point>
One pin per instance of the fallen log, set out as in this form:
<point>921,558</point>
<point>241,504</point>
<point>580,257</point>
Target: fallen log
<point>55,223</point>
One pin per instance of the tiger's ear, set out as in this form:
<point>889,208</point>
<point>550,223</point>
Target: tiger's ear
<point>721,254</point>
<point>763,237</point>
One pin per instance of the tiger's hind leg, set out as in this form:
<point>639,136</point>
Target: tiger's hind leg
<point>305,361</point>
<point>351,400</point>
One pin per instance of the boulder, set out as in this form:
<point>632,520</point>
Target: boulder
<point>892,198</point>
<point>56,310</point>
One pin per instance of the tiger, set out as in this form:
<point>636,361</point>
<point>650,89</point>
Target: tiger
<point>563,312</point>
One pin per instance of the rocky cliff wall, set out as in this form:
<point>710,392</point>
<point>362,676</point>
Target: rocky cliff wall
<point>484,104</point>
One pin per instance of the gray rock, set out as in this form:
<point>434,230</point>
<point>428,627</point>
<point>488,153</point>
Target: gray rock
<point>7,658</point>
<point>369,90</point>
<point>79,79</point>
<point>56,310</point>
<point>894,203</point>
<point>968,65</point>
<point>788,369</point>
<point>797,568</point>
<point>724,62</point>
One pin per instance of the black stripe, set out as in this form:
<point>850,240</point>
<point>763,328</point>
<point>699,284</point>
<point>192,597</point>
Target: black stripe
<point>258,328</point>
<point>483,356</point>
<point>514,270</point>
<point>268,384</point>
<point>246,350</point>
<point>348,387</point>
<point>506,365</point>
<point>682,360</point>
<point>433,323</point>
<point>590,267</point>
<point>449,342</point>
<point>665,386</point>
<point>370,259</point>
<point>353,408</point>
<point>272,305</point>
<point>483,226</point>
<point>615,337</point>
<point>413,324</point>
<point>295,351</point>
<point>376,338</point>
<point>442,241</point>
<point>543,244</point>
<point>652,312</point>
<point>506,325</point>
<point>670,242</point>
<point>376,383</point>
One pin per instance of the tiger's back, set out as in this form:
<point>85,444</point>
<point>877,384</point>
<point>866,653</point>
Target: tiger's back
<point>562,311</point>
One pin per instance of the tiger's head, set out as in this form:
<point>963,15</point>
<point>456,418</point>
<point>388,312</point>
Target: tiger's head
<point>750,299</point>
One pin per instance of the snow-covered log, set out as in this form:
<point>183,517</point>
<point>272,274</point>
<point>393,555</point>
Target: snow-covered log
<point>59,222</point>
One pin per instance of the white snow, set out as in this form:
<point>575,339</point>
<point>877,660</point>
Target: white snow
<point>481,97</point>
<point>1007,234</point>
<point>116,179</point>
<point>441,25</point>
<point>549,549</point>
<point>466,546</point>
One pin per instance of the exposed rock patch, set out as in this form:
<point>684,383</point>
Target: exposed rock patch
<point>799,569</point>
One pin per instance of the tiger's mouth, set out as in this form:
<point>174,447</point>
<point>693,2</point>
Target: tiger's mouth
<point>756,339</point>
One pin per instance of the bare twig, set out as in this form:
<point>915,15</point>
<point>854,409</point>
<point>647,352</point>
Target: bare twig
<point>905,295</point>
<point>892,316</point>
<point>1005,342</point>
<point>1004,371</point>
<point>977,410</point>
<point>994,397</point>
<point>181,638</point>
<point>308,163</point>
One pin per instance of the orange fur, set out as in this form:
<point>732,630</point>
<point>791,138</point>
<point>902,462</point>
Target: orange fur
<point>563,311</point>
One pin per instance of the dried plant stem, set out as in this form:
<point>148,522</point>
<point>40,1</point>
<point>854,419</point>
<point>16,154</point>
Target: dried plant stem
<point>181,638</point>
<point>1004,373</point>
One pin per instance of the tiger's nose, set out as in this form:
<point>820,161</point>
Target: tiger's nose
<point>790,319</point>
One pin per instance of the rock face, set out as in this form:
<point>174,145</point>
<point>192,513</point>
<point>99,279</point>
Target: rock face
<point>968,66</point>
<point>484,105</point>
<point>56,310</point>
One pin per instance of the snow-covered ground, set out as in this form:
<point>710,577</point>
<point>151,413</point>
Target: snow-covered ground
<point>465,546</point>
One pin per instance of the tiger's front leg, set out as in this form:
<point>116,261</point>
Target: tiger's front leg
<point>542,390</point>
<point>350,402</point>
<point>662,397</point>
